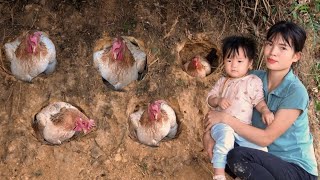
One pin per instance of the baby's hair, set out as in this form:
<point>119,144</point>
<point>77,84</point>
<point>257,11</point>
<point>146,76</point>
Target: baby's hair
<point>231,45</point>
<point>293,34</point>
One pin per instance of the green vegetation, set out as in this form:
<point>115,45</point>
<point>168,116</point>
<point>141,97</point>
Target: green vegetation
<point>316,75</point>
<point>129,24</point>
<point>308,15</point>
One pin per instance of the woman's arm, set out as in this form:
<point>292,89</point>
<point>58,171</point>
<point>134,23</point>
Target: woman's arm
<point>284,118</point>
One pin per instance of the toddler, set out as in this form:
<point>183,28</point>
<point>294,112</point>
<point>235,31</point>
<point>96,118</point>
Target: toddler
<point>237,94</point>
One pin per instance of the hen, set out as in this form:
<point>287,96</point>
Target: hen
<point>198,67</point>
<point>59,121</point>
<point>119,61</point>
<point>151,126</point>
<point>31,54</point>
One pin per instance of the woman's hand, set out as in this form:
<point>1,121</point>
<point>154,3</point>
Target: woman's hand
<point>208,144</point>
<point>212,118</point>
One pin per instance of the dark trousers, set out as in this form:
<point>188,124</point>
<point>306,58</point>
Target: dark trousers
<point>247,163</point>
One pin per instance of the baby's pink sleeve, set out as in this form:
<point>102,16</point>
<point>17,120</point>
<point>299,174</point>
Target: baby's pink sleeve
<point>255,88</point>
<point>215,91</point>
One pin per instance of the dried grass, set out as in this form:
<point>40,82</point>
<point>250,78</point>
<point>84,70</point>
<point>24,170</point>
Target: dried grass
<point>3,71</point>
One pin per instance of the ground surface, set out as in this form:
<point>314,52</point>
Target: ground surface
<point>172,32</point>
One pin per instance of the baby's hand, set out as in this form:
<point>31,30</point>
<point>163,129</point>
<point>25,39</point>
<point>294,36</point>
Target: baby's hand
<point>224,103</point>
<point>267,117</point>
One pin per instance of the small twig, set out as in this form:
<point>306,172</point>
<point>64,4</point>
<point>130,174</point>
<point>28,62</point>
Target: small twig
<point>224,23</point>
<point>188,7</point>
<point>308,74</point>
<point>9,97</point>
<point>266,6</point>
<point>206,168</point>
<point>172,28</point>
<point>153,62</point>
<point>5,71</point>
<point>19,97</point>
<point>5,104</point>
<point>140,169</point>
<point>260,59</point>
<point>12,13</point>
<point>34,20</point>
<point>2,67</point>
<point>255,9</point>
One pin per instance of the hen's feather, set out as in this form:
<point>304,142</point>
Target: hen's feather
<point>151,132</point>
<point>56,122</point>
<point>203,70</point>
<point>119,73</point>
<point>24,65</point>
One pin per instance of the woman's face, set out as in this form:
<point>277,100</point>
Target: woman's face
<point>237,65</point>
<point>279,55</point>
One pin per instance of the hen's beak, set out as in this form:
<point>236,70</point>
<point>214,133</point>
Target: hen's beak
<point>115,55</point>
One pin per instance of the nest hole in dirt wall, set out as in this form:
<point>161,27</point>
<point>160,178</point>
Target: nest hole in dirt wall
<point>136,60</point>
<point>149,125</point>
<point>58,116</point>
<point>199,59</point>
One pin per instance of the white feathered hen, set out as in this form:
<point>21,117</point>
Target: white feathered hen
<point>59,121</point>
<point>31,54</point>
<point>120,60</point>
<point>152,125</point>
<point>198,67</point>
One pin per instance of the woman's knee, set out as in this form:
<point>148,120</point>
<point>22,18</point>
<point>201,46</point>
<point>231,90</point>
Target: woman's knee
<point>235,155</point>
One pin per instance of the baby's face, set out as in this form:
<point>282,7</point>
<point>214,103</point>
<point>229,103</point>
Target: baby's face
<point>237,65</point>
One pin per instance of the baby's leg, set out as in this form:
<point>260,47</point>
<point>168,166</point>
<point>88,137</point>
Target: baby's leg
<point>224,138</point>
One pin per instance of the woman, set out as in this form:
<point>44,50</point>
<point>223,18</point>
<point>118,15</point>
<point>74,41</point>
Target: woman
<point>290,144</point>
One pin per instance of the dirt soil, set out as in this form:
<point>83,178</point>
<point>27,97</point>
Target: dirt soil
<point>173,32</point>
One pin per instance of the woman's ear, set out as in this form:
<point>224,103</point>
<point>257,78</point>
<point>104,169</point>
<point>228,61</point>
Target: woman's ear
<point>297,56</point>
